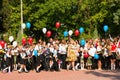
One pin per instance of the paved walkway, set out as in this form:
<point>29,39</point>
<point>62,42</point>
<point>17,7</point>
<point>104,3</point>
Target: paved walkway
<point>62,75</point>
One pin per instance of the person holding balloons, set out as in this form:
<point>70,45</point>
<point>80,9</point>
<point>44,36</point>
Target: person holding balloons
<point>86,55</point>
<point>99,52</point>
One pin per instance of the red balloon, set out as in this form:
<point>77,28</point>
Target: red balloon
<point>58,24</point>
<point>23,41</point>
<point>2,43</point>
<point>86,55</point>
<point>48,33</point>
<point>76,32</point>
<point>30,40</point>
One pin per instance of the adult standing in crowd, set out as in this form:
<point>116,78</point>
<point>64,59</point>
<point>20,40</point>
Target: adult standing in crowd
<point>113,54</point>
<point>92,52</point>
<point>71,55</point>
<point>100,53</point>
<point>62,54</point>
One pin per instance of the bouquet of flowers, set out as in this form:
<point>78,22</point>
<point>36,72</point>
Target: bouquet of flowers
<point>2,51</point>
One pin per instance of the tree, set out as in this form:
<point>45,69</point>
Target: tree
<point>90,14</point>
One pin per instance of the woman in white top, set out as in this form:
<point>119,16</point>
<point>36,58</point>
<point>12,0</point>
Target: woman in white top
<point>62,54</point>
<point>92,52</point>
<point>99,52</point>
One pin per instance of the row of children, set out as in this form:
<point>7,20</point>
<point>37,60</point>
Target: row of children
<point>57,55</point>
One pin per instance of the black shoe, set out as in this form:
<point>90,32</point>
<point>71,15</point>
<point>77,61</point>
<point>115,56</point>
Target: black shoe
<point>51,70</point>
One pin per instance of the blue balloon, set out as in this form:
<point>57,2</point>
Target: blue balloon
<point>81,30</point>
<point>35,53</point>
<point>82,42</point>
<point>65,33</point>
<point>105,28</point>
<point>96,56</point>
<point>28,25</point>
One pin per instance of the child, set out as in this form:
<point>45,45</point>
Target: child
<point>23,60</point>
<point>8,60</point>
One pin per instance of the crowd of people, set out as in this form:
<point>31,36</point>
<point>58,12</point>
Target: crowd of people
<point>56,55</point>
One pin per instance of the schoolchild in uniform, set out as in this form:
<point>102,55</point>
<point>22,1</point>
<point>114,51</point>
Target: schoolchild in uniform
<point>54,59</point>
<point>106,63</point>
<point>39,60</point>
<point>113,55</point>
<point>2,62</point>
<point>100,53</point>
<point>29,55</point>
<point>15,58</point>
<point>118,55</point>
<point>37,50</point>
<point>45,58</point>
<point>86,55</point>
<point>23,60</point>
<point>78,54</point>
<point>8,60</point>
<point>92,52</point>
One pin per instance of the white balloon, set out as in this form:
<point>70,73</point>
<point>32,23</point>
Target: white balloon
<point>11,38</point>
<point>70,32</point>
<point>23,25</point>
<point>44,30</point>
<point>14,44</point>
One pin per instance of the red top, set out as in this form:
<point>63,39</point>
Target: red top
<point>113,47</point>
<point>119,44</point>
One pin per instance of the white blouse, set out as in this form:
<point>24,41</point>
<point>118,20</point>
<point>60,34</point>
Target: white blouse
<point>62,49</point>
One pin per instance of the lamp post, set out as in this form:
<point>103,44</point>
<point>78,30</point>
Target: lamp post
<point>21,6</point>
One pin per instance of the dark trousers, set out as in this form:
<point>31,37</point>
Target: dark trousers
<point>55,65</point>
<point>94,63</point>
<point>46,63</point>
<point>85,61</point>
<point>2,62</point>
<point>106,63</point>
<point>33,62</point>
<point>63,57</point>
<point>117,64</point>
